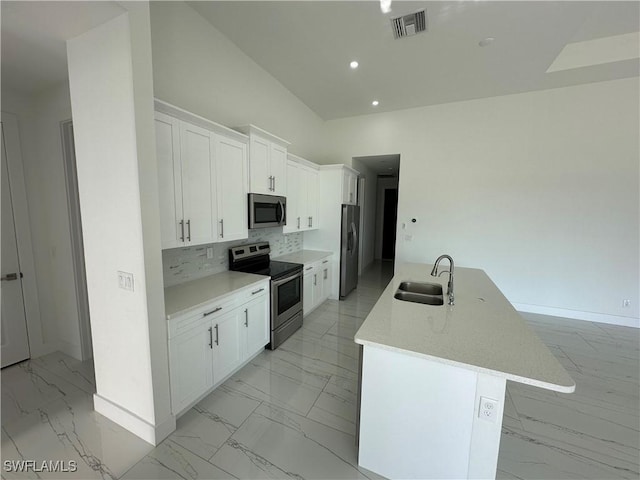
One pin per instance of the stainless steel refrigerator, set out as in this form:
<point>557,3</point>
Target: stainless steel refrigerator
<point>349,249</point>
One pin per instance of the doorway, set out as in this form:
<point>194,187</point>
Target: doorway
<point>13,324</point>
<point>389,220</point>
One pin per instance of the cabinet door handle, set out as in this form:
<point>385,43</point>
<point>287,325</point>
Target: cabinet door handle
<point>182,230</point>
<point>222,228</point>
<point>274,184</point>
<point>315,279</point>
<point>325,261</point>
<point>10,277</point>
<point>189,230</point>
<point>246,317</point>
<point>211,337</point>
<point>298,223</point>
<point>270,183</point>
<point>257,291</point>
<point>308,268</point>
<point>326,273</point>
<point>217,309</point>
<point>217,343</point>
<point>309,222</point>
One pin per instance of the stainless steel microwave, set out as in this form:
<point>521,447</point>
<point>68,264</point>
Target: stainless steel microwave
<point>267,211</point>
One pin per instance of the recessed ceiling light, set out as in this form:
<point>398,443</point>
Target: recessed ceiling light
<point>375,103</point>
<point>485,42</point>
<point>353,65</point>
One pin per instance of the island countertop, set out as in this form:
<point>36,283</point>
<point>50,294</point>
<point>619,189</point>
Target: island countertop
<point>481,332</point>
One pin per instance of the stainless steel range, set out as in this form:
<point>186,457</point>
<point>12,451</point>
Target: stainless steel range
<point>286,287</point>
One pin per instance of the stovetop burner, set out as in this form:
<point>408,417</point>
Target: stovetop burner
<point>254,258</point>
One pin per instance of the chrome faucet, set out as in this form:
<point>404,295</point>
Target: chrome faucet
<point>434,273</point>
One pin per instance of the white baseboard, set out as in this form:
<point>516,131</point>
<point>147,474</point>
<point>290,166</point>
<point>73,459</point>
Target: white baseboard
<point>578,315</point>
<point>150,433</point>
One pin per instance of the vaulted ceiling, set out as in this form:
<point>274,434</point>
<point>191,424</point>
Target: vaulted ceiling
<point>308,45</point>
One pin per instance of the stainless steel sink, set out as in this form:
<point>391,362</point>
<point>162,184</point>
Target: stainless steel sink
<point>423,298</point>
<point>423,288</point>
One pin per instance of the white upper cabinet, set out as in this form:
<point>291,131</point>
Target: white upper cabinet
<point>267,162</point>
<point>169,179</point>
<point>202,177</point>
<point>302,195</point>
<point>231,174</point>
<point>350,186</point>
<point>198,180</point>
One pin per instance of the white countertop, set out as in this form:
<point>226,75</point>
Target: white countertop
<point>183,298</point>
<point>481,332</point>
<point>303,256</point>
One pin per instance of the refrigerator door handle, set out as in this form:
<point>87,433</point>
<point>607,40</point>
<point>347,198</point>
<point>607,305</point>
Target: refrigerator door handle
<point>355,238</point>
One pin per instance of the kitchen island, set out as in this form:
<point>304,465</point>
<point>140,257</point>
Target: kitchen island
<point>434,377</point>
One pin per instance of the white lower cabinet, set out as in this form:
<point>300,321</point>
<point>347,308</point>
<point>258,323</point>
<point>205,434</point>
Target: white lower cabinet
<point>206,347</point>
<point>316,283</point>
<point>227,345</point>
<point>191,366</point>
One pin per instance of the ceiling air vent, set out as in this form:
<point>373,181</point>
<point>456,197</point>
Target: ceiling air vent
<point>409,25</point>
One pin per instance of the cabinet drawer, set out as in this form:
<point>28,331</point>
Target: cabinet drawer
<point>204,314</point>
<point>256,291</point>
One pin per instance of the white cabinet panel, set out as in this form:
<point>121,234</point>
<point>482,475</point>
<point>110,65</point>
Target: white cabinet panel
<point>227,344</point>
<point>169,179</point>
<point>313,198</point>
<point>198,184</point>
<point>231,170</point>
<point>259,168</point>
<point>325,275</point>
<point>191,365</point>
<point>307,291</point>
<point>279,170</point>
<point>256,324</point>
<point>293,192</point>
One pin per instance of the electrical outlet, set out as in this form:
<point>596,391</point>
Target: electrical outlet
<point>626,303</point>
<point>488,409</point>
<point>125,281</point>
<point>408,238</point>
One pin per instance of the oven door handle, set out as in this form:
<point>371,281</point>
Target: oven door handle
<point>277,283</point>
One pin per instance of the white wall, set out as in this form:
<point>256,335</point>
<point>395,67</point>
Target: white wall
<point>112,100</point>
<point>197,68</point>
<point>538,189</point>
<point>39,117</point>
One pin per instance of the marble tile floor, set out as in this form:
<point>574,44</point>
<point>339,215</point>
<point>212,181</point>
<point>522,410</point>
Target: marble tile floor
<point>291,412</point>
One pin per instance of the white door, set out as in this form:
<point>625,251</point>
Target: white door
<point>231,172</point>
<point>15,342</point>
<point>256,323</point>
<point>169,180</point>
<point>191,365</point>
<point>278,164</point>
<point>198,184</point>
<point>227,347</point>
<point>260,178</point>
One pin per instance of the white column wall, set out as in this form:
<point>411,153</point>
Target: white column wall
<point>111,97</point>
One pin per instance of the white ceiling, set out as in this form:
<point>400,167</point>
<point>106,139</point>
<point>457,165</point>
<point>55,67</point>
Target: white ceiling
<point>307,46</point>
<point>382,164</point>
<point>34,34</point>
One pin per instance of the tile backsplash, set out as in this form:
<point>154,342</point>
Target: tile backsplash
<point>180,265</point>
